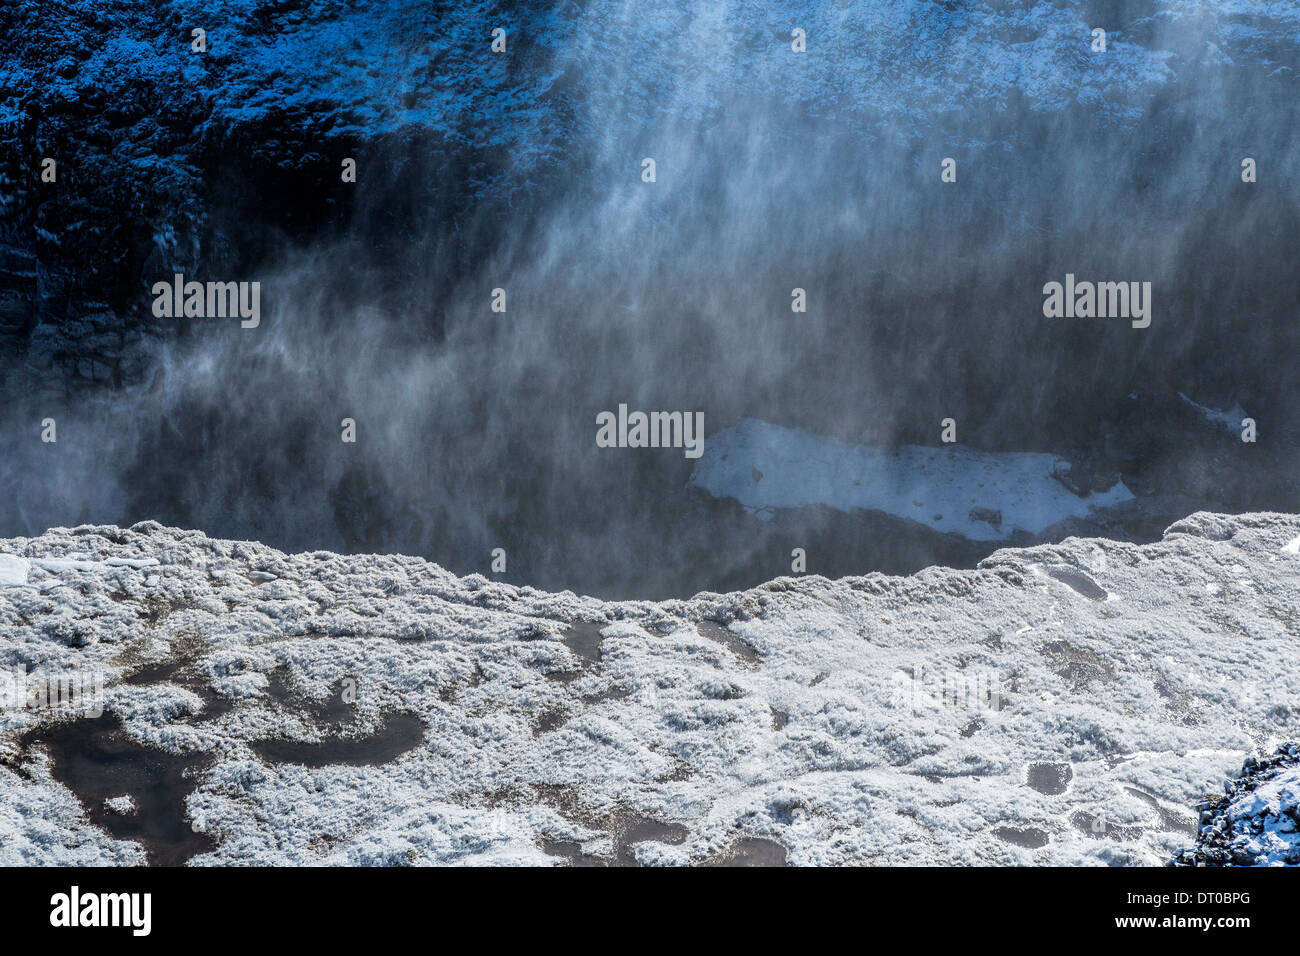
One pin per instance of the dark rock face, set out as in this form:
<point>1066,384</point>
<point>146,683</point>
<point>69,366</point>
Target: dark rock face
<point>1257,821</point>
<point>171,160</point>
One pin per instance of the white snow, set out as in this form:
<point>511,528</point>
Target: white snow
<point>13,570</point>
<point>767,467</point>
<point>82,563</point>
<point>124,804</point>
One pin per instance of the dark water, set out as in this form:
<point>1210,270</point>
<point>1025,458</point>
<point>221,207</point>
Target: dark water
<point>398,734</point>
<point>718,633</point>
<point>1028,837</point>
<point>1049,778</point>
<point>584,640</point>
<point>1099,828</point>
<point>628,832</point>
<point>751,851</point>
<point>96,760</point>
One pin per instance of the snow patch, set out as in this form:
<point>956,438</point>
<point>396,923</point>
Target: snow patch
<point>980,495</point>
<point>1229,419</point>
<point>13,570</point>
<point>124,805</point>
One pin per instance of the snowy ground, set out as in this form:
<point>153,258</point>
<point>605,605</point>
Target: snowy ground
<point>1066,704</point>
<point>984,496</point>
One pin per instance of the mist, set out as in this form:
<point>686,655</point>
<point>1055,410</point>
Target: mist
<point>774,171</point>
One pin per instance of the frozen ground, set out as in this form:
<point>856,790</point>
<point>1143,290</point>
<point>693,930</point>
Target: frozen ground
<point>1065,704</point>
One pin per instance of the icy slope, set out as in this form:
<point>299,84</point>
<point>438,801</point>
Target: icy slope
<point>1064,704</point>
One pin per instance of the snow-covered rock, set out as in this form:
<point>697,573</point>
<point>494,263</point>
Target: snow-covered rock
<point>124,804</point>
<point>1063,704</point>
<point>1257,822</point>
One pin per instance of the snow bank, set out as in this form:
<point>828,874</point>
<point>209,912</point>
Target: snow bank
<point>1063,704</point>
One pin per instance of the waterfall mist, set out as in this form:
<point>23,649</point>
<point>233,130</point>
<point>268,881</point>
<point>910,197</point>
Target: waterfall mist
<point>774,171</point>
